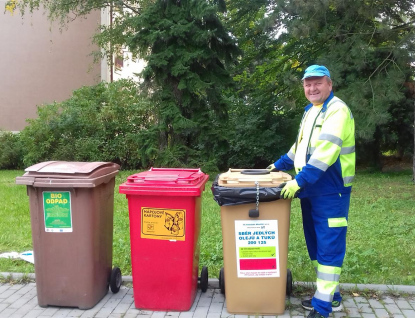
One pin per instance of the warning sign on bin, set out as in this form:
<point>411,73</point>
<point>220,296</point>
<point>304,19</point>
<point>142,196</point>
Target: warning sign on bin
<point>163,224</point>
<point>57,210</point>
<point>257,248</point>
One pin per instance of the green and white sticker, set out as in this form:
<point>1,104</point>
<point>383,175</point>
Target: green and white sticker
<point>57,210</point>
<point>257,254</point>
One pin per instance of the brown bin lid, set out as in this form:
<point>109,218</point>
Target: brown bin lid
<point>247,178</point>
<point>68,174</point>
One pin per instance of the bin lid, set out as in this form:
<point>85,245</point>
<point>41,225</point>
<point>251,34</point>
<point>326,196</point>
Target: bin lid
<point>248,177</point>
<point>166,181</point>
<point>68,174</point>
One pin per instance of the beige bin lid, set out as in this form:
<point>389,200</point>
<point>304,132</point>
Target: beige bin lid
<point>237,178</point>
<point>68,174</point>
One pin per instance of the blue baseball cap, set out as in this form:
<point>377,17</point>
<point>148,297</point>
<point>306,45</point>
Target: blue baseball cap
<point>317,71</point>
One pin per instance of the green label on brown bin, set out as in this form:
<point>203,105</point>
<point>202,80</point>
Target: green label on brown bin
<point>57,210</point>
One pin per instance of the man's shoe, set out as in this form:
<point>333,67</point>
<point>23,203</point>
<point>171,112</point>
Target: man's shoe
<point>315,314</point>
<point>335,305</point>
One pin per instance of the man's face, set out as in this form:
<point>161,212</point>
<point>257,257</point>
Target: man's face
<point>317,89</point>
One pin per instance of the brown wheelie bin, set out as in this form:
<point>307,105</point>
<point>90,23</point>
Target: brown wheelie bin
<point>71,210</point>
<point>255,230</point>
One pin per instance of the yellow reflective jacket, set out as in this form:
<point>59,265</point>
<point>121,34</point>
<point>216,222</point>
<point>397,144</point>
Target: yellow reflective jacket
<point>331,157</point>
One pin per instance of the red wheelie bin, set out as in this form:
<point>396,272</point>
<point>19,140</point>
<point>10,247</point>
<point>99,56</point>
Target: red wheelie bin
<point>165,218</point>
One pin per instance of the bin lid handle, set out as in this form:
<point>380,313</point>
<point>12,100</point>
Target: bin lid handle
<point>255,171</point>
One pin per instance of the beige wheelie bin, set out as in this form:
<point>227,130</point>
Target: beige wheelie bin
<point>255,229</point>
<point>71,211</point>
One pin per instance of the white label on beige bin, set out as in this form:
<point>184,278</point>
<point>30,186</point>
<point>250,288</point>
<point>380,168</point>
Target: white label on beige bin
<point>257,248</point>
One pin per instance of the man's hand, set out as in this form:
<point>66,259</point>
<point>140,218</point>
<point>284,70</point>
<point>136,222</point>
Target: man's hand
<point>272,168</point>
<point>290,189</point>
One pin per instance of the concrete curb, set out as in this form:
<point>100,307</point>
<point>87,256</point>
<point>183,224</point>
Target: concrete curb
<point>366,287</point>
<point>214,284</point>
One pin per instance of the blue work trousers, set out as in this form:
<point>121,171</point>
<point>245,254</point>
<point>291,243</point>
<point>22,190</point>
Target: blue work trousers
<point>326,243</point>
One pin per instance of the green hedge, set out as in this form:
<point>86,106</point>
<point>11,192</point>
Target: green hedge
<point>11,154</point>
<point>99,123</point>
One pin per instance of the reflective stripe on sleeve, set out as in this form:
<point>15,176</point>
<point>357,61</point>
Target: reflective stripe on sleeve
<point>334,139</point>
<point>347,150</point>
<point>318,164</point>
<point>347,180</point>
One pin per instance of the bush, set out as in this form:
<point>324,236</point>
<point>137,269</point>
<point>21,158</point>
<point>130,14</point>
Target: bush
<point>99,123</point>
<point>11,155</point>
<point>114,122</point>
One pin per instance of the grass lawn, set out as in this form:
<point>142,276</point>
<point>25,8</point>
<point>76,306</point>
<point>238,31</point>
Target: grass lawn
<point>380,238</point>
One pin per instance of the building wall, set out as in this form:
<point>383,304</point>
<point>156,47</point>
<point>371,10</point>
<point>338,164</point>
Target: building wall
<point>40,64</point>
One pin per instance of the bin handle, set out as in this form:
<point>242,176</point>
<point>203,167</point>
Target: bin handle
<point>255,171</point>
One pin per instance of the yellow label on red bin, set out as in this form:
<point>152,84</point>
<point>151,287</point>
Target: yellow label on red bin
<point>163,224</point>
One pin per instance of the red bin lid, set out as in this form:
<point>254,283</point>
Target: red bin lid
<point>166,181</point>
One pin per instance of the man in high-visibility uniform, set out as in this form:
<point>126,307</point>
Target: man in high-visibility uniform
<point>323,157</point>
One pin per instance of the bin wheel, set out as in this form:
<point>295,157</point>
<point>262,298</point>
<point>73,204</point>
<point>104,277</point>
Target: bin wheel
<point>204,279</point>
<point>115,280</point>
<point>222,280</point>
<point>289,289</point>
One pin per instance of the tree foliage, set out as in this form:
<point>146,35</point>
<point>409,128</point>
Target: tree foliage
<point>187,50</point>
<point>367,45</point>
<point>191,48</point>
